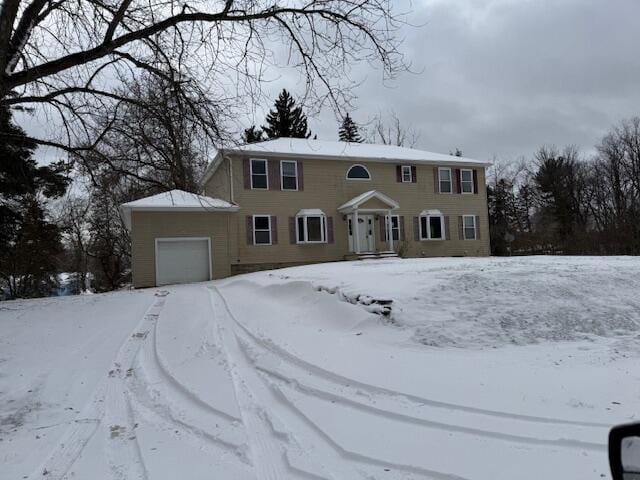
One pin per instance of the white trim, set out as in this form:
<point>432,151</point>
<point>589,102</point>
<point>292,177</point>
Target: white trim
<point>266,172</point>
<point>182,239</point>
<point>358,179</point>
<point>323,229</point>
<point>440,169</point>
<point>470,181</point>
<point>295,163</point>
<point>402,169</point>
<point>355,202</point>
<point>443,234</point>
<point>464,228</point>
<point>253,230</point>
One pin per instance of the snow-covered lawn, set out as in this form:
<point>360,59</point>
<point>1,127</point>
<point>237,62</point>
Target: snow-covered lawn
<point>387,369</point>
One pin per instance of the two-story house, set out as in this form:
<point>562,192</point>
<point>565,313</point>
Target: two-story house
<point>295,201</point>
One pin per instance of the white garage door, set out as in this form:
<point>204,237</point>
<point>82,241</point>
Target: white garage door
<point>182,260</point>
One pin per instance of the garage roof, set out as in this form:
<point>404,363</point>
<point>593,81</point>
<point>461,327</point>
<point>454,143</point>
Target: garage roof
<point>176,201</point>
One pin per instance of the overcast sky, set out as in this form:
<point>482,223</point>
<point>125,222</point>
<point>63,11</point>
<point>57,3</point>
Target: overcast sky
<point>503,77</point>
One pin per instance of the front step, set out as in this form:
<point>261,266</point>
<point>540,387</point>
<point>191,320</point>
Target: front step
<point>370,255</point>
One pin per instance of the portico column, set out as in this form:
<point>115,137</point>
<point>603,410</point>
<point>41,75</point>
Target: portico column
<point>356,229</point>
<point>390,230</point>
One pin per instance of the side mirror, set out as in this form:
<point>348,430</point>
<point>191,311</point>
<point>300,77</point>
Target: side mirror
<point>624,452</point>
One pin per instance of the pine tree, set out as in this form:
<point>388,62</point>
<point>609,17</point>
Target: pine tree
<point>349,131</point>
<point>286,120</point>
<point>253,134</point>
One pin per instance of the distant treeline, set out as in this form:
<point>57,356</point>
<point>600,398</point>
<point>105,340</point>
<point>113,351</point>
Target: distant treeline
<point>560,203</point>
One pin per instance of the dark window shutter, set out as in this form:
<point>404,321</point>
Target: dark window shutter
<point>330,230</point>
<point>246,170</point>
<point>475,180</point>
<point>460,228</point>
<point>273,170</point>
<point>274,230</point>
<point>402,237</point>
<point>398,173</point>
<point>416,229</point>
<point>477,227</point>
<point>436,180</point>
<point>292,230</point>
<point>300,176</point>
<point>383,228</point>
<point>414,174</point>
<point>249,230</point>
<point>447,228</point>
<point>457,184</point>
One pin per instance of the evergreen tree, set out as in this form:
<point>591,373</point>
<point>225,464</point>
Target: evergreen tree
<point>253,134</point>
<point>349,131</point>
<point>287,119</point>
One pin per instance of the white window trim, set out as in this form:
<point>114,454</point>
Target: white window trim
<point>404,168</point>
<point>261,230</point>
<point>358,179</point>
<point>464,229</point>
<point>428,237</point>
<point>440,169</point>
<point>386,227</point>
<point>323,220</point>
<point>266,172</point>
<point>295,163</point>
<point>470,170</point>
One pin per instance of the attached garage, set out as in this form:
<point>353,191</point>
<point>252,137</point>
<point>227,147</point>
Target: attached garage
<point>179,237</point>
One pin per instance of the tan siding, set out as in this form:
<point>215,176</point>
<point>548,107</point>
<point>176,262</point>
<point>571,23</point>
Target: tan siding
<point>325,187</point>
<point>147,226</point>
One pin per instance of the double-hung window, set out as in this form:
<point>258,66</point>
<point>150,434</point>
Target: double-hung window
<point>311,228</point>
<point>469,227</point>
<point>444,179</point>
<point>259,179</point>
<point>432,227</point>
<point>406,174</point>
<point>466,181</point>
<point>289,174</point>
<point>395,227</point>
<point>261,230</point>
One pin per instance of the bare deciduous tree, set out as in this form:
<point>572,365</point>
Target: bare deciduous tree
<point>392,132</point>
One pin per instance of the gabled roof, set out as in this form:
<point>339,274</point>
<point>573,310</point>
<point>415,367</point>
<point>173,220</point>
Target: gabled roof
<point>176,201</point>
<point>355,202</point>
<point>318,149</point>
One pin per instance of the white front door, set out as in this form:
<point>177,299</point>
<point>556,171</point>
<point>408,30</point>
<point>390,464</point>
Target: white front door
<point>365,231</point>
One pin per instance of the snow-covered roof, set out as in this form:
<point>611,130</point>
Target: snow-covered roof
<point>177,201</point>
<point>302,147</point>
<point>309,211</point>
<point>366,196</point>
<point>424,213</point>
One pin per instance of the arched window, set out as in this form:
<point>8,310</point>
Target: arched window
<point>358,172</point>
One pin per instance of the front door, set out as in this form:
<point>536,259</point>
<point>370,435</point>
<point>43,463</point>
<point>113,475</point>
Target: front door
<point>365,231</point>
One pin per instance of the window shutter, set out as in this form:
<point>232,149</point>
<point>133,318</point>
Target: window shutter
<point>292,230</point>
<point>383,228</point>
<point>274,230</point>
<point>246,173</point>
<point>475,180</point>
<point>460,228</point>
<point>300,176</point>
<point>436,180</point>
<point>447,230</point>
<point>330,230</point>
<point>402,228</point>
<point>398,173</point>
<point>477,227</point>
<point>414,174</point>
<point>416,229</point>
<point>457,184</point>
<point>273,170</point>
<point>249,230</point>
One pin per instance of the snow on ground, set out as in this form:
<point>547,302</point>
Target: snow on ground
<point>387,369</point>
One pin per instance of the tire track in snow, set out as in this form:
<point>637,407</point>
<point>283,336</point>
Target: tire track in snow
<point>339,462</point>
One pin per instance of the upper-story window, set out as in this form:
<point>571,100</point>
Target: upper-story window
<point>406,174</point>
<point>358,172</point>
<point>259,177</point>
<point>444,178</point>
<point>466,181</point>
<point>289,174</point>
